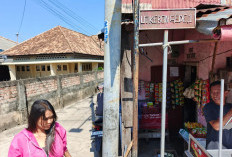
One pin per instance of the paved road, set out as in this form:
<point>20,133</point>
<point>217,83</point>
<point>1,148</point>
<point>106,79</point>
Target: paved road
<point>75,118</point>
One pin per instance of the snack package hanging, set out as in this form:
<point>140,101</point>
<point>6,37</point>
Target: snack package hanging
<point>160,92</point>
<point>147,90</point>
<point>156,93</point>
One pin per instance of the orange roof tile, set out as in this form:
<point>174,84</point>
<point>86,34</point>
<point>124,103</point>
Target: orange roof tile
<point>57,40</point>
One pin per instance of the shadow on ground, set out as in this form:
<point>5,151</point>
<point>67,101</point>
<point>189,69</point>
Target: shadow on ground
<point>78,129</point>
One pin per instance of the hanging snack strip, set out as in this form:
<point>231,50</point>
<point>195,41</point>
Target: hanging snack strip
<point>152,89</point>
<point>205,92</point>
<point>201,92</point>
<point>197,92</point>
<point>172,93</point>
<point>169,96</point>
<point>181,91</point>
<point>147,90</point>
<point>156,93</point>
<point>160,92</point>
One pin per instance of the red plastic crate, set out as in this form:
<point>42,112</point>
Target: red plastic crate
<point>152,121</point>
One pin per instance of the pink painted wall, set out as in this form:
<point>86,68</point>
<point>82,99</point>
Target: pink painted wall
<point>203,51</point>
<point>155,53</point>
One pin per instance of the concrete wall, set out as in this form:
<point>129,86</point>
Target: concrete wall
<point>16,97</point>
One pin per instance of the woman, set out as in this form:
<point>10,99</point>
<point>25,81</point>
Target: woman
<point>44,137</point>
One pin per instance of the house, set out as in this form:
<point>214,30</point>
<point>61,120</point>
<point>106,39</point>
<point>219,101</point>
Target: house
<point>54,52</point>
<point>4,45</point>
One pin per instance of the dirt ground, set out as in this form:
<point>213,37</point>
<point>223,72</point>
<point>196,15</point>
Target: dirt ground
<point>76,119</point>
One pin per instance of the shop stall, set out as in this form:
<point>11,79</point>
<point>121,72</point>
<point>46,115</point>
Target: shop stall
<point>194,133</point>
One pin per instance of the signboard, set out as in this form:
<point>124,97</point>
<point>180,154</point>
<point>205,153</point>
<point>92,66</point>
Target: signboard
<point>196,149</point>
<point>167,19</point>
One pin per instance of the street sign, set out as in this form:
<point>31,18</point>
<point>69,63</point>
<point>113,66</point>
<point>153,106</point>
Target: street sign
<point>167,19</point>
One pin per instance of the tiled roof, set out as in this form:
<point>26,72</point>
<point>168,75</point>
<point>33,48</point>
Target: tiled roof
<point>57,40</point>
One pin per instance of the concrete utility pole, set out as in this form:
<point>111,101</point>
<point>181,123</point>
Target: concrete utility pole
<point>112,46</point>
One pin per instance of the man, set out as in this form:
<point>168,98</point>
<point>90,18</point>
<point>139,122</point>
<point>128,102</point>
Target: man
<point>212,114</point>
<point>99,109</point>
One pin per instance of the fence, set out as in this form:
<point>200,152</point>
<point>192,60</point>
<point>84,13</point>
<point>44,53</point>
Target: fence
<point>16,97</point>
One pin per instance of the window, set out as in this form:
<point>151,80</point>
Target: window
<point>48,68</point>
<point>100,66</point>
<point>37,67</point>
<point>28,68</point>
<point>42,67</point>
<point>58,67</point>
<point>65,67</point>
<point>87,67</point>
<point>76,67</point>
<point>23,68</point>
<point>18,68</point>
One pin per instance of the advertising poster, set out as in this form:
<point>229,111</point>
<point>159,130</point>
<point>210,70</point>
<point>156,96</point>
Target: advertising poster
<point>196,149</point>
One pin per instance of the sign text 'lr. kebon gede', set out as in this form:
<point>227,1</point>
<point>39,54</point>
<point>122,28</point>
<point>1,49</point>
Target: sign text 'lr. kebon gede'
<point>167,19</point>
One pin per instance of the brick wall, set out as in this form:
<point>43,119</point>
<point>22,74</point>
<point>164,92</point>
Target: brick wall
<point>70,81</point>
<point>8,94</point>
<point>36,87</point>
<point>16,97</point>
<point>89,78</point>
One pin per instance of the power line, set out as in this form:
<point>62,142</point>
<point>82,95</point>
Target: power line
<point>72,14</point>
<point>69,13</point>
<point>65,14</point>
<point>20,26</point>
<point>60,15</point>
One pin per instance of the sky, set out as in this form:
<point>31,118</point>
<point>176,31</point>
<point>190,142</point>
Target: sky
<point>84,16</point>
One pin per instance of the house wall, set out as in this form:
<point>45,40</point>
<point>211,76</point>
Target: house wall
<point>43,70</point>
<point>16,97</point>
<point>203,52</point>
<point>155,53</point>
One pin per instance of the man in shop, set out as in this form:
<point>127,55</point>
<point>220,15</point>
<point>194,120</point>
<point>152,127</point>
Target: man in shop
<point>212,114</point>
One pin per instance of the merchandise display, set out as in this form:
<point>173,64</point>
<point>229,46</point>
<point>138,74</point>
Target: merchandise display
<point>153,91</point>
<point>201,92</point>
<point>197,130</point>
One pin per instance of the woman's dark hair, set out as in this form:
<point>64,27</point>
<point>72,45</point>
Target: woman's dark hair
<point>38,109</point>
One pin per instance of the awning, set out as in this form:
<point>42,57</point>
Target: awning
<point>210,18</point>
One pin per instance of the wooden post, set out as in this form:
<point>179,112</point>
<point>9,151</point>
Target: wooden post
<point>135,73</point>
<point>214,56</point>
<point>126,87</point>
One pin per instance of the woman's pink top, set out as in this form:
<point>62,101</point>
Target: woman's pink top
<point>24,144</point>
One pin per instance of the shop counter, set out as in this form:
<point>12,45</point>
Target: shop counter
<point>195,149</point>
<point>225,153</point>
<point>185,135</point>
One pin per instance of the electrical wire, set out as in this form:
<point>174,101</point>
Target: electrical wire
<point>72,14</point>
<point>24,8</point>
<point>216,55</point>
<point>60,15</point>
<point>65,14</point>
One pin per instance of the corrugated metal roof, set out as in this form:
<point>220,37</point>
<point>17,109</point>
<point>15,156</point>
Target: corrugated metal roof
<point>57,40</point>
<point>165,4</point>
<point>207,19</point>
